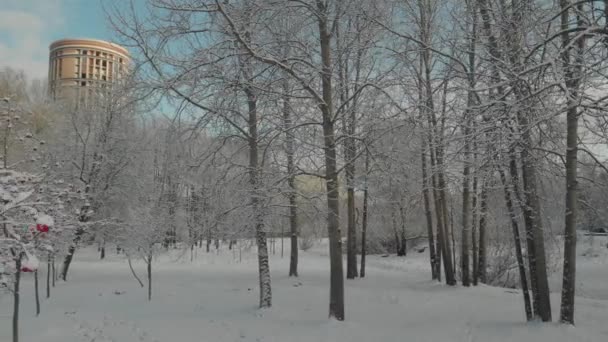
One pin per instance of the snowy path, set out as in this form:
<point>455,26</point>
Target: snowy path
<point>214,300</point>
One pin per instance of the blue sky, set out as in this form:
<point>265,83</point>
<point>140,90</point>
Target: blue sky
<point>27,27</point>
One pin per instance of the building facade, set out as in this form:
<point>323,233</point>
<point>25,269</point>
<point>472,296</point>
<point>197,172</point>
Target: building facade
<point>81,68</point>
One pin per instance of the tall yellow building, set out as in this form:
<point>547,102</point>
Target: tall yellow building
<point>80,68</point>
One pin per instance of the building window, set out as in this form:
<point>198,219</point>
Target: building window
<point>97,53</point>
<point>84,52</point>
<point>83,83</point>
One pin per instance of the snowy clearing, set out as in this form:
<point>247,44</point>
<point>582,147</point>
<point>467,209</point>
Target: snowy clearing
<point>214,299</point>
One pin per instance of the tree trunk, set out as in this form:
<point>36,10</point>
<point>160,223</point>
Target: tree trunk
<point>53,270</point>
<point>441,237</point>
<point>395,232</point>
<point>467,131</point>
<point>254,182</point>
<point>572,74</point>
<point>435,141</point>
<point>438,249</point>
<point>514,173</point>
<point>403,238</point>
<point>48,276</point>
<point>518,251</point>
<point>365,217</point>
<point>532,209</point>
<point>82,218</point>
<point>351,232</point>
<point>482,257</point>
<point>293,226</point>
<point>453,236</point>
<point>16,297</point>
<point>336,287</point>
<point>474,240</point>
<point>67,261</point>
<point>149,271</point>
<point>351,255</point>
<point>348,124</point>
<point>36,293</point>
<point>450,278</point>
<point>532,212</point>
<point>428,215</point>
<point>133,272</point>
<point>543,309</point>
<point>466,211</point>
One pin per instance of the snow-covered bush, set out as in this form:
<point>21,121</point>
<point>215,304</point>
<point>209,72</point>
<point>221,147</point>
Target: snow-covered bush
<point>21,230</point>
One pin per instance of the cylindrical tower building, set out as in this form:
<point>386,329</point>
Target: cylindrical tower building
<point>79,68</point>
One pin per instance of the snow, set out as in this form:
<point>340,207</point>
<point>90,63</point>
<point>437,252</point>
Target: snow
<point>30,263</point>
<point>214,299</point>
<point>45,219</point>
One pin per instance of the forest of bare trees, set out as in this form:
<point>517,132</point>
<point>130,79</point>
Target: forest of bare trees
<point>473,131</point>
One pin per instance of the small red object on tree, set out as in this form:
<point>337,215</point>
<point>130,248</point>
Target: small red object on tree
<point>26,269</point>
<point>43,228</point>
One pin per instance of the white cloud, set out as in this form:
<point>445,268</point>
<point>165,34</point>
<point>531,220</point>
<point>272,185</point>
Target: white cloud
<point>25,26</point>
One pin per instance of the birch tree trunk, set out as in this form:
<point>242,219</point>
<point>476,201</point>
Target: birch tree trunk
<point>254,182</point>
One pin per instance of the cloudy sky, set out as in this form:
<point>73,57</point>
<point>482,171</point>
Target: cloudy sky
<point>27,27</point>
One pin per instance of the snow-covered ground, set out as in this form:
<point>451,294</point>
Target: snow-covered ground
<point>213,299</point>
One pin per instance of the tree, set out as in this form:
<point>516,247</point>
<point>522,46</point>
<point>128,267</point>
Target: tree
<point>29,188</point>
<point>100,143</point>
<point>324,100</point>
<point>572,74</point>
<point>291,178</point>
<point>239,113</point>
